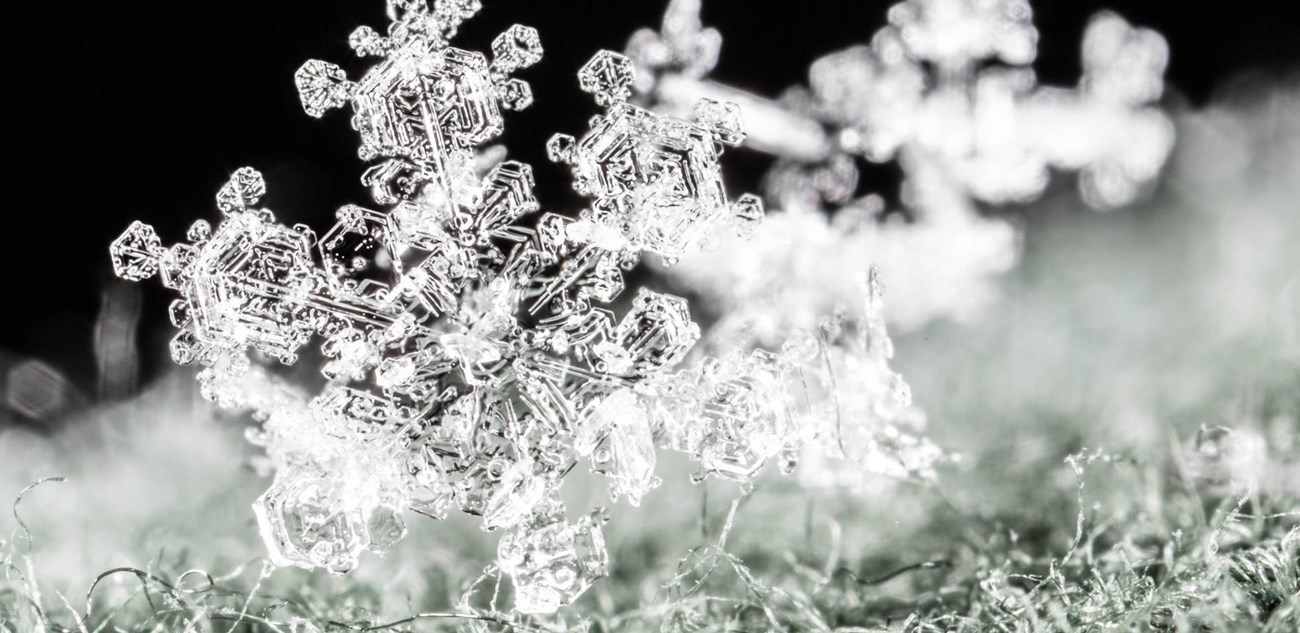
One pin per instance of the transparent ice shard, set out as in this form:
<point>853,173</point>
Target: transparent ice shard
<point>136,252</point>
<point>517,493</point>
<point>552,560</point>
<point>305,524</point>
<point>617,434</point>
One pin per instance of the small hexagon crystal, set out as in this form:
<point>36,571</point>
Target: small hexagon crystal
<point>135,253</point>
<point>518,47</point>
<point>608,77</point>
<point>322,86</point>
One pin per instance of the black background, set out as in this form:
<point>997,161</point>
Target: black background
<point>141,109</point>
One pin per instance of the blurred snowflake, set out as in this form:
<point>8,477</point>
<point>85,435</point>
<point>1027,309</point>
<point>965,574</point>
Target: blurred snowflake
<point>947,90</point>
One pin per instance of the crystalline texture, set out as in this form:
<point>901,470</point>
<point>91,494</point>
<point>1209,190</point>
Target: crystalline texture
<point>135,254</point>
<point>654,178</point>
<point>657,333</point>
<point>472,354</point>
<point>723,118</point>
<point>351,248</point>
<point>248,284</point>
<point>307,526</point>
<point>470,361</point>
<point>608,77</point>
<point>618,436</point>
<point>552,560</point>
<point>518,47</point>
<point>741,417</point>
<point>243,191</point>
<point>322,86</point>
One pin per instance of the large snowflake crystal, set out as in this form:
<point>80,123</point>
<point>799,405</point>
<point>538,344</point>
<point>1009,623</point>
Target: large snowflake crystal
<point>472,354</point>
<point>469,360</point>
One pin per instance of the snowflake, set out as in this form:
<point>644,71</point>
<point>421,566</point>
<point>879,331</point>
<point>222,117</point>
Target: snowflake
<point>945,89</point>
<point>469,355</point>
<point>471,352</point>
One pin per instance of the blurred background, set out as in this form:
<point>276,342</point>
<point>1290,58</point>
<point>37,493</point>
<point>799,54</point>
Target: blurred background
<point>1127,332</point>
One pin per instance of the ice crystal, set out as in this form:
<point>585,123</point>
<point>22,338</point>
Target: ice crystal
<point>655,179</point>
<point>552,558</point>
<point>471,353</point>
<point>136,252</point>
<point>466,353</point>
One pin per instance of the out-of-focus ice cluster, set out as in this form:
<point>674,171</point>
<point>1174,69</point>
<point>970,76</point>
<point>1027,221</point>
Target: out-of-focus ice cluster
<point>946,89</point>
<point>472,355</point>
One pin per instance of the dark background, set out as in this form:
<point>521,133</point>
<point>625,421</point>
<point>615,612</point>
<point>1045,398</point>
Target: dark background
<point>141,109</point>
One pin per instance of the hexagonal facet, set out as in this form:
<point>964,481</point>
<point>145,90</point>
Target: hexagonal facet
<point>304,523</point>
<point>608,77</point>
<point>243,191</point>
<point>654,177</point>
<point>515,94</point>
<point>247,286</point>
<point>135,253</point>
<point>179,312</point>
<point>552,560</point>
<point>656,334</point>
<point>322,86</point>
<point>358,246</point>
<point>518,47</point>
